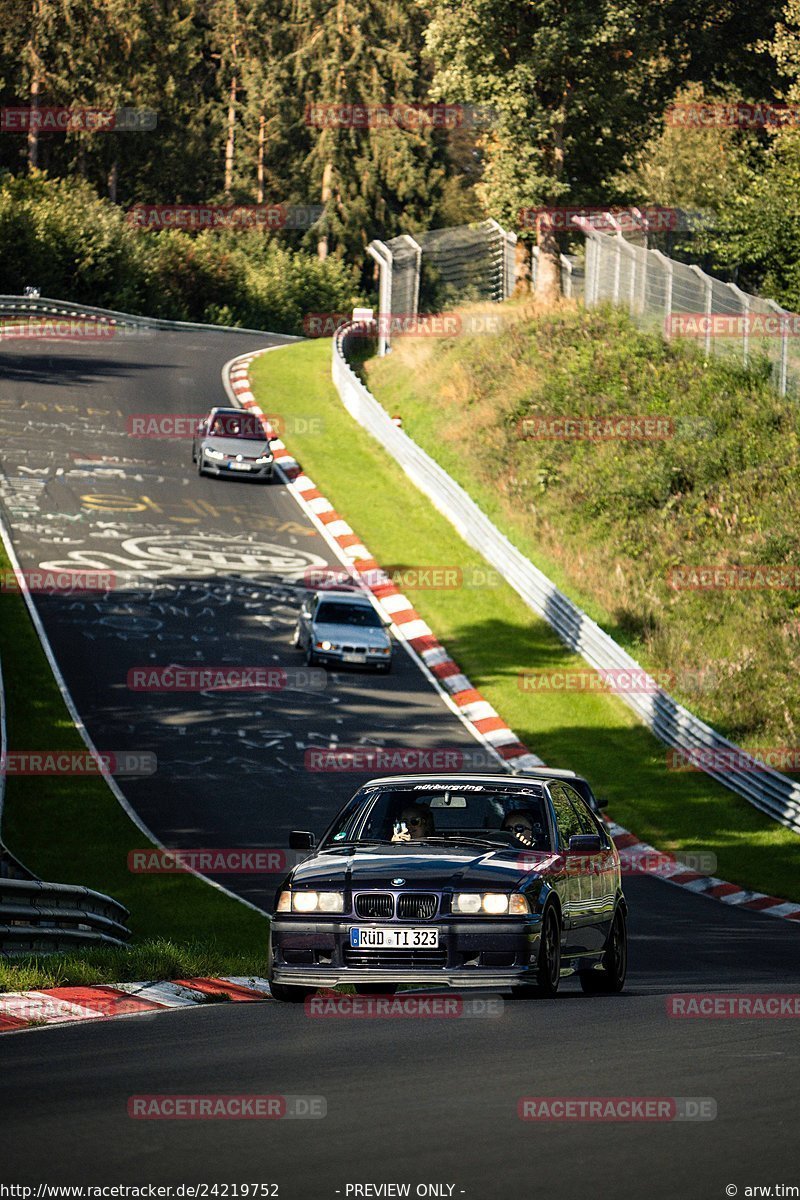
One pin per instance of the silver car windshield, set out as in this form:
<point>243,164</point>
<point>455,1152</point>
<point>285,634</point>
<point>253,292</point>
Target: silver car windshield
<point>348,614</point>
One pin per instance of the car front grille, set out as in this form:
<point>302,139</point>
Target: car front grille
<point>375,904</point>
<point>402,959</point>
<point>417,907</point>
<point>354,649</point>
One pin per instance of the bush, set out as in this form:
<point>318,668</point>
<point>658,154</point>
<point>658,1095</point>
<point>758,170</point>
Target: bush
<point>57,235</point>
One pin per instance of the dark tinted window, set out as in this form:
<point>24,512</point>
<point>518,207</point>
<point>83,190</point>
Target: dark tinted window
<point>348,614</point>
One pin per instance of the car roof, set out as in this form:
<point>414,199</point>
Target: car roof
<point>549,773</point>
<point>340,596</point>
<point>454,778</point>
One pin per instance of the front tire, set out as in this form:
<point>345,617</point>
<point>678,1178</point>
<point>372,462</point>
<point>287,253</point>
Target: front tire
<point>289,993</point>
<point>611,979</point>
<point>548,964</point>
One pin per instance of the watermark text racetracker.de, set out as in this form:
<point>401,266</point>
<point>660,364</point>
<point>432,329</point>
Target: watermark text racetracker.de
<point>625,680</point>
<point>413,578</point>
<point>60,328</point>
<point>733,1006</point>
<point>730,759</point>
<point>651,1109</point>
<point>224,216</point>
<point>404,1007</point>
<point>226,1107</point>
<point>405,324</point>
<point>75,119</point>
<point>395,759</point>
<point>78,762</point>
<point>182,426</point>
<point>216,861</point>
<point>756,577</point>
<point>645,427</point>
<point>175,678</point>
<point>55,583</point>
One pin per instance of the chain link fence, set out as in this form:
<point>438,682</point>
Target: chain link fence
<point>681,301</point>
<point>439,268</point>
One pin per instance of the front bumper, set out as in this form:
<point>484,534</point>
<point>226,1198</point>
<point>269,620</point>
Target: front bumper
<point>470,954</point>
<point>212,467</point>
<point>336,658</point>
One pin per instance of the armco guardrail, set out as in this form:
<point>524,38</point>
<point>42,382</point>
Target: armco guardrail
<point>42,306</point>
<point>38,917</point>
<point>762,786</point>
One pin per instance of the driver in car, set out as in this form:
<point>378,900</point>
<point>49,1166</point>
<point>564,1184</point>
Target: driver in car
<point>521,824</point>
<point>414,823</point>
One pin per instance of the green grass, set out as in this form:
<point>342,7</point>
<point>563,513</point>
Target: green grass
<point>608,520</point>
<point>154,959</point>
<point>72,830</point>
<point>494,637</point>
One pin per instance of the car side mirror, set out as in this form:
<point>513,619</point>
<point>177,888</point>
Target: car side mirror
<point>601,801</point>
<point>585,843</point>
<point>300,839</point>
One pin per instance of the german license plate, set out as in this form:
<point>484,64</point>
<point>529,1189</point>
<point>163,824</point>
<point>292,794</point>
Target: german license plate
<point>383,938</point>
<point>239,466</point>
<point>354,658</point>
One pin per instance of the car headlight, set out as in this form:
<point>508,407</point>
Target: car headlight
<point>379,650</point>
<point>211,453</point>
<point>265,458</point>
<point>326,646</point>
<point>497,904</point>
<point>310,902</point>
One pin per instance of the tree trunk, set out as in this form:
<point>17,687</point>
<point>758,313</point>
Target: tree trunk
<point>113,180</point>
<point>230,139</point>
<point>327,176</point>
<point>33,126</point>
<point>548,266</point>
<point>522,268</point>
<point>262,121</point>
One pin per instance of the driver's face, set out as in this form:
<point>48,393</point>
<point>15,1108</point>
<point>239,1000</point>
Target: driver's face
<point>414,822</point>
<point>521,828</point>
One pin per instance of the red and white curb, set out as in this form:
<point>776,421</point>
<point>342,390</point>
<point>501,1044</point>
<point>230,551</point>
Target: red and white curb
<point>64,1005</point>
<point>477,713</point>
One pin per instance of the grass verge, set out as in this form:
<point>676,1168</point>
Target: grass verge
<point>494,637</point>
<point>72,830</point>
<point>153,959</point>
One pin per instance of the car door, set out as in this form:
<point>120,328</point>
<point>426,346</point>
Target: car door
<point>606,874</point>
<point>573,900</point>
<point>592,872</point>
<point>305,622</point>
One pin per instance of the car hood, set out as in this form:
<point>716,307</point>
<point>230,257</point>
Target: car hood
<point>434,867</point>
<point>233,446</point>
<point>362,635</point>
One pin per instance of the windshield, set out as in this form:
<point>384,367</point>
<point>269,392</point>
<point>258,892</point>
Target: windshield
<point>348,614</point>
<point>238,425</point>
<point>467,813</point>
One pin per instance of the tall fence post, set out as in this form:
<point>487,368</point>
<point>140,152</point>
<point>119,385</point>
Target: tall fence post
<point>709,297</point>
<point>744,300</point>
<point>383,257</point>
<point>669,269</point>
<point>784,363</point>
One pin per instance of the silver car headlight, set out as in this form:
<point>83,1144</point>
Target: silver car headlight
<point>210,452</point>
<point>311,902</point>
<point>496,904</point>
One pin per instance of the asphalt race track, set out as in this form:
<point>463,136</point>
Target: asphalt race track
<point>211,572</point>
<point>207,573</point>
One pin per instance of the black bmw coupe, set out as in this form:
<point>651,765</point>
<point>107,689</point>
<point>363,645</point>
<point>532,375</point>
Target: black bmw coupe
<point>460,880</point>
